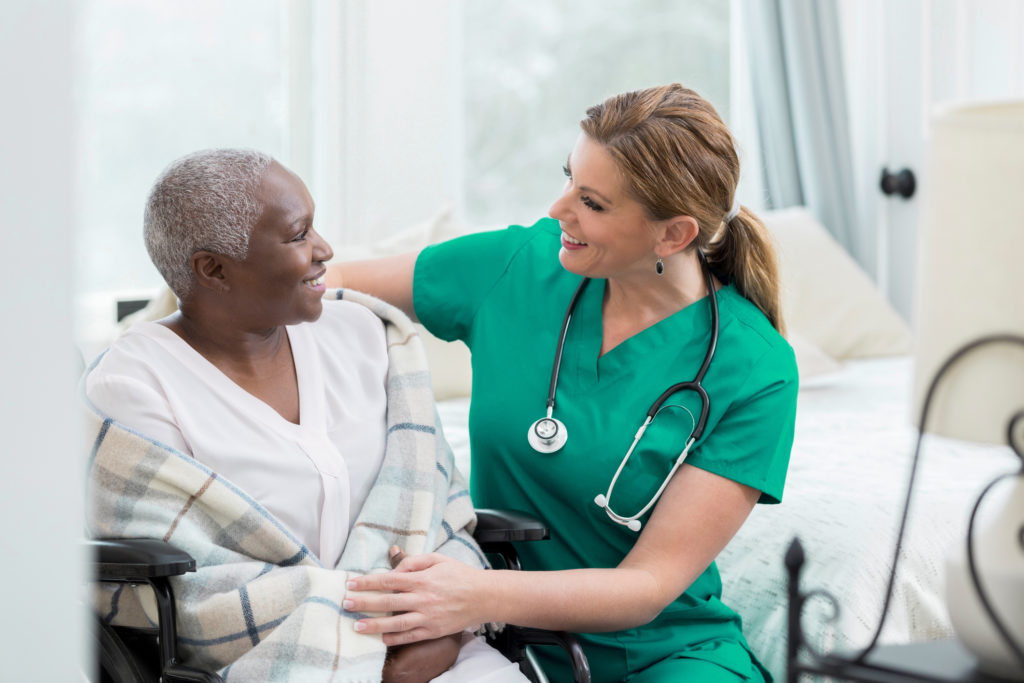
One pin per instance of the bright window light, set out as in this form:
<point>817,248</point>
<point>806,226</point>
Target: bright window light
<point>532,69</point>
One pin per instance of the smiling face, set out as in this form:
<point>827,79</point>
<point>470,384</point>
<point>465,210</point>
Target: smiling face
<point>280,281</point>
<point>605,232</point>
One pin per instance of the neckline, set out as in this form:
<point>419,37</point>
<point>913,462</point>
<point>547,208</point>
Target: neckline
<point>592,365</point>
<point>306,376</point>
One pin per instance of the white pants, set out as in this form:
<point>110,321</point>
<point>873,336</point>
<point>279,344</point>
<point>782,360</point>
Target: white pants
<point>478,661</point>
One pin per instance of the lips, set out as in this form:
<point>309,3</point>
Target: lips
<point>317,281</point>
<point>570,243</point>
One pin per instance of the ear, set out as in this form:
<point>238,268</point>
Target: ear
<point>208,269</point>
<point>676,234</point>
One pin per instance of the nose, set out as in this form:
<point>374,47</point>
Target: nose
<point>560,209</point>
<point>321,249</point>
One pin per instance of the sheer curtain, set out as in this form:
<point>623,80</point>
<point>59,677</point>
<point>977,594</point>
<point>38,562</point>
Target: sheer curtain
<point>476,103</point>
<point>803,121</point>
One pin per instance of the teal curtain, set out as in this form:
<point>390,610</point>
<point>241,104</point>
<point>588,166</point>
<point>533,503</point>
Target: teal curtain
<point>799,93</point>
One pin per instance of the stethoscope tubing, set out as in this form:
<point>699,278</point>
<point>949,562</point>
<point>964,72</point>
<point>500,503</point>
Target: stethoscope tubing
<point>694,385</point>
<point>561,343</point>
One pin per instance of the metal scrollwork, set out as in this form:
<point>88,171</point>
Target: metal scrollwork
<point>795,558</point>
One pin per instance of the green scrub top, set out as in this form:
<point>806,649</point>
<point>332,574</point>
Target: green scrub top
<point>505,294</point>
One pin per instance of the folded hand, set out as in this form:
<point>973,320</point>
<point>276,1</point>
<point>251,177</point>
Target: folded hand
<point>422,661</point>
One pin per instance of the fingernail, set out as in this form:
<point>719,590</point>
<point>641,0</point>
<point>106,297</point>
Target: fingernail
<point>348,604</point>
<point>351,585</point>
<point>359,626</point>
<point>394,551</point>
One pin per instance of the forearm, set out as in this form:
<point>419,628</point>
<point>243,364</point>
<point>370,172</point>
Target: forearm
<point>581,600</point>
<point>438,595</point>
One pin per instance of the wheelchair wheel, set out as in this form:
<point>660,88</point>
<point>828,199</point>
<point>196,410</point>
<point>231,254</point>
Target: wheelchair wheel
<point>116,663</point>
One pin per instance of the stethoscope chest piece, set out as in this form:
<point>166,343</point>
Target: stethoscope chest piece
<point>547,435</point>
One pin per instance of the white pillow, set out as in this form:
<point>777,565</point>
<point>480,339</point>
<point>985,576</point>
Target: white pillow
<point>158,308</point>
<point>810,360</point>
<point>451,371</point>
<point>826,298</point>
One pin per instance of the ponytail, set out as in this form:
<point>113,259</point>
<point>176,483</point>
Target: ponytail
<point>743,252</point>
<point>679,159</point>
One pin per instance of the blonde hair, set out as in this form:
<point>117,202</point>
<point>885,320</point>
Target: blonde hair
<point>679,159</point>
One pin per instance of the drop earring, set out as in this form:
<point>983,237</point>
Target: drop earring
<point>659,267</point>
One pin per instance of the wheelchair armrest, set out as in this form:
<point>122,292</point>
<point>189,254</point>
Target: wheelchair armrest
<point>138,558</point>
<point>505,526</point>
<point>150,561</point>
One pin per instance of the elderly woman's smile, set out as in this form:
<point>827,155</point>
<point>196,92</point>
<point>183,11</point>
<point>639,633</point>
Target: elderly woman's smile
<point>317,283</point>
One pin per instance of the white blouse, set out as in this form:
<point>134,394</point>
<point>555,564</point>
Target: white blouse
<point>313,476</point>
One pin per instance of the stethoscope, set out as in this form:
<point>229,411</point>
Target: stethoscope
<point>548,434</point>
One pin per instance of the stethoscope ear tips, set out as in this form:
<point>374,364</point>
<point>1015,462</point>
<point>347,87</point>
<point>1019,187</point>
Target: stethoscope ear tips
<point>601,501</point>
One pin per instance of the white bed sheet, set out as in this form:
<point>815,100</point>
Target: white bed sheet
<point>844,493</point>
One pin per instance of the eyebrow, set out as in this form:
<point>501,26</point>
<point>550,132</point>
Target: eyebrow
<point>585,188</point>
<point>302,217</point>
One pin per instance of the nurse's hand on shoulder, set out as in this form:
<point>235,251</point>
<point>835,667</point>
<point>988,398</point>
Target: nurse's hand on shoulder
<point>432,596</point>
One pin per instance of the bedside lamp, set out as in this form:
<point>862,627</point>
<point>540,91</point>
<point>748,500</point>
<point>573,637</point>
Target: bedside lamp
<point>969,369</point>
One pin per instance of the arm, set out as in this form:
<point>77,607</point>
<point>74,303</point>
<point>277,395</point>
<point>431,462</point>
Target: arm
<point>697,516</point>
<point>388,278</point>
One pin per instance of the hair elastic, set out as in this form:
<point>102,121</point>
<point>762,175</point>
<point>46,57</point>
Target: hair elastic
<point>735,210</point>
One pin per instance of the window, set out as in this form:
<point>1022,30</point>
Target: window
<point>388,110</point>
<point>532,69</point>
<point>158,80</point>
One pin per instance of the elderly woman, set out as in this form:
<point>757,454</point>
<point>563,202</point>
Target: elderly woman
<point>265,431</point>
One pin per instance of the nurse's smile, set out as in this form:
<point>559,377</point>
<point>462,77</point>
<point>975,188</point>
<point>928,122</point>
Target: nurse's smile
<point>571,243</point>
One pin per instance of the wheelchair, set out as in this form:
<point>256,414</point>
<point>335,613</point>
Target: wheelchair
<point>134,655</point>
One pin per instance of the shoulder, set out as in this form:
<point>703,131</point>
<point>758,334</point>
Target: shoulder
<point>499,248</point>
<point>540,236</point>
<point>753,342</point>
<point>136,353</point>
<point>454,280</point>
<point>132,370</point>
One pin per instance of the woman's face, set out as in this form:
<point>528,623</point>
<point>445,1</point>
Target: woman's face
<point>280,282</point>
<point>605,232</point>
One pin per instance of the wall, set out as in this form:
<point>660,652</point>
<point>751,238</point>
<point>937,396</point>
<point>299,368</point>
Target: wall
<point>42,636</point>
<point>385,116</point>
<point>903,59</point>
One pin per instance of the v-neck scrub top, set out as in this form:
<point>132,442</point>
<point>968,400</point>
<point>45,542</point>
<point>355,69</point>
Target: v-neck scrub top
<point>505,294</point>
<point>313,476</point>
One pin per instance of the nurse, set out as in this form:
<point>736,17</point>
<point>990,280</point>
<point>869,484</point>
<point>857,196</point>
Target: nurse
<point>650,187</point>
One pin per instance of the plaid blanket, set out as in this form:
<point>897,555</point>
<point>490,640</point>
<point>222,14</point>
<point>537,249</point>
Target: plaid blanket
<point>261,606</point>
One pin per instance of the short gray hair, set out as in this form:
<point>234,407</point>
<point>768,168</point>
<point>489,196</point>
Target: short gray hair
<point>203,201</point>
